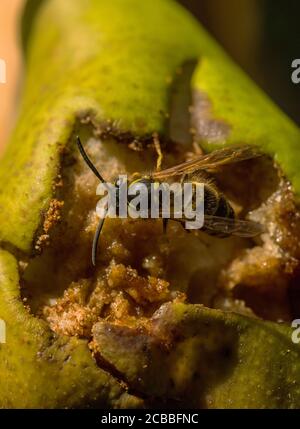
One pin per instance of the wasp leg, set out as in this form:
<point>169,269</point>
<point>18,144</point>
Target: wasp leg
<point>165,225</point>
<point>135,176</point>
<point>197,149</point>
<point>96,240</point>
<point>157,147</point>
<point>183,179</point>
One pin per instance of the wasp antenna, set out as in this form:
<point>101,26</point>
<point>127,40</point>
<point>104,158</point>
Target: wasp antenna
<point>96,240</point>
<point>88,161</point>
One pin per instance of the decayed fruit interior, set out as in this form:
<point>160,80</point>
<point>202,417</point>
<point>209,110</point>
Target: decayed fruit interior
<point>139,268</point>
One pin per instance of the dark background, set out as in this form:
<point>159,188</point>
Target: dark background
<point>263,36</point>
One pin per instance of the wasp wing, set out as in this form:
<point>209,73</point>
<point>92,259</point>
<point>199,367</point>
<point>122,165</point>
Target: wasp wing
<point>210,161</point>
<point>240,228</point>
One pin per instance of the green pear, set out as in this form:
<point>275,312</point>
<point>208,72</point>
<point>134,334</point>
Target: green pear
<point>108,69</point>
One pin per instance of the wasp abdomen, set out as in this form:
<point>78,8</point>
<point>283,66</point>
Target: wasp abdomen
<point>215,204</point>
<point>211,200</point>
<point>224,208</point>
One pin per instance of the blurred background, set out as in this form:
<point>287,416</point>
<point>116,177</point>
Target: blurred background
<point>263,36</point>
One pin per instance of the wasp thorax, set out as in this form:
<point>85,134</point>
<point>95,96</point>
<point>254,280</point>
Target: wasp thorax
<point>140,187</point>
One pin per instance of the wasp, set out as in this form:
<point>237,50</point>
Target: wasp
<point>219,216</point>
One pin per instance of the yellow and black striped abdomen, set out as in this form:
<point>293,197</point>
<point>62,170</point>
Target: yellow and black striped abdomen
<point>211,199</point>
<point>215,203</point>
